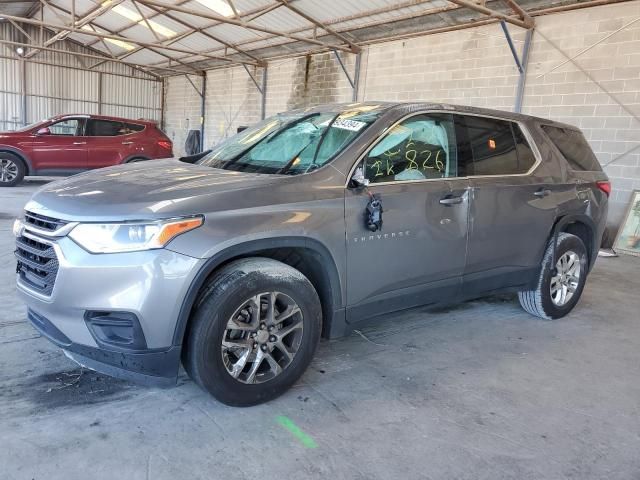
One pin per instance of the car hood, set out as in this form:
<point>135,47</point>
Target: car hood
<point>151,189</point>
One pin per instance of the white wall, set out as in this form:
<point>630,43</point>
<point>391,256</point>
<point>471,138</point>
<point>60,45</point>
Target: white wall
<point>471,67</point>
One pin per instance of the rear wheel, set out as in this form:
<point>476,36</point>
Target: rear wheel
<point>254,331</point>
<point>559,285</point>
<point>12,169</point>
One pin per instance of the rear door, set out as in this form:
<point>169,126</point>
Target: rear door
<point>418,255</point>
<point>63,148</point>
<point>107,142</point>
<point>512,207</point>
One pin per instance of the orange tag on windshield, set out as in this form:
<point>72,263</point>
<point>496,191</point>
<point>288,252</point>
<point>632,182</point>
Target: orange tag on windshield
<point>492,144</point>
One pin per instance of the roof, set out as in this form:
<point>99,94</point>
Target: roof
<point>167,37</point>
<point>103,117</point>
<point>410,107</point>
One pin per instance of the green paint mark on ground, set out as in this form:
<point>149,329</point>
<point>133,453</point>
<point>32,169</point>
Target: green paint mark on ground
<point>288,424</point>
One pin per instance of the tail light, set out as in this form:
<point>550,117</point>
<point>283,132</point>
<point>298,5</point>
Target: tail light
<point>605,186</point>
<point>166,144</point>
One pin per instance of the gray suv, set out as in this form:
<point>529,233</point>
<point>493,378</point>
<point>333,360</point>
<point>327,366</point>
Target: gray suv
<point>302,226</point>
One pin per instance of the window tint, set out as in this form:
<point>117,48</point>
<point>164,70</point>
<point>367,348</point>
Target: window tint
<point>574,148</point>
<point>70,127</point>
<point>494,147</point>
<point>105,128</point>
<point>421,147</point>
<point>133,127</point>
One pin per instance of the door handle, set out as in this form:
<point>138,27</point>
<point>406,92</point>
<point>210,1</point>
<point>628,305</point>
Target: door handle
<point>451,200</point>
<point>79,143</point>
<point>127,143</point>
<point>543,192</point>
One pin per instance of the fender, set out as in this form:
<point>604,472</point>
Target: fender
<point>20,154</point>
<point>564,220</point>
<point>246,248</point>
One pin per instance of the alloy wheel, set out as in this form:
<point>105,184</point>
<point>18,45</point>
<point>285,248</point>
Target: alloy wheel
<point>567,278</point>
<point>262,337</point>
<point>8,170</point>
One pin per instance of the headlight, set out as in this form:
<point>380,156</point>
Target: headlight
<point>130,237</point>
<point>18,227</point>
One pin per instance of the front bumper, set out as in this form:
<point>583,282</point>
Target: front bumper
<point>148,286</point>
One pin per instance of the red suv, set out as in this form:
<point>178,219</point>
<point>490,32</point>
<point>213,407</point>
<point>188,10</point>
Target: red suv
<point>69,144</point>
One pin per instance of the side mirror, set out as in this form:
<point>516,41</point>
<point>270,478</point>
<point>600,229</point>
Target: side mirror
<point>358,179</point>
<point>43,131</point>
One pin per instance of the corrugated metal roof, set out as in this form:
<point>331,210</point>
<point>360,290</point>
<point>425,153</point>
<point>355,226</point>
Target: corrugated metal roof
<point>190,31</point>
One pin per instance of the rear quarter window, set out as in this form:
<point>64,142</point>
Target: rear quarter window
<point>574,148</point>
<point>133,127</point>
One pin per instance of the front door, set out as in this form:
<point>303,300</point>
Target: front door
<point>64,147</point>
<point>418,256</point>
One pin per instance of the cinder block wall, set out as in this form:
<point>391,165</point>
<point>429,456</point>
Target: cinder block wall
<point>599,91</point>
<point>181,110</point>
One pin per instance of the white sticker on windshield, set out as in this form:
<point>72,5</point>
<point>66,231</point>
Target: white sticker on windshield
<point>352,125</point>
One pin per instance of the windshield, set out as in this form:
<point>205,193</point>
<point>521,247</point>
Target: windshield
<point>29,127</point>
<point>291,143</point>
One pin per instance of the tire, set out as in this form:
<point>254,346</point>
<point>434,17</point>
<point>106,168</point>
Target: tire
<point>136,160</point>
<point>223,299</point>
<point>12,169</point>
<point>541,302</point>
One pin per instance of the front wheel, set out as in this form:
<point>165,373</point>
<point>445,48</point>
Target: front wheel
<point>254,331</point>
<point>12,170</point>
<point>559,286</point>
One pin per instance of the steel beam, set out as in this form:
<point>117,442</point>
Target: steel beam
<point>202,31</point>
<point>88,18</point>
<point>521,12</point>
<point>88,55</point>
<point>23,91</point>
<point>115,37</point>
<point>490,12</point>
<point>203,107</point>
<point>240,23</point>
<point>99,93</point>
<point>263,103</point>
<point>356,77</point>
<point>523,73</point>
<point>354,48</point>
<point>512,47</point>
<point>521,60</point>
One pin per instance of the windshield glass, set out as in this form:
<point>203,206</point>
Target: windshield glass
<point>29,127</point>
<point>292,143</point>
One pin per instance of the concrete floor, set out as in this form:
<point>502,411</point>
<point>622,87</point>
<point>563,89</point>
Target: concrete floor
<point>480,391</point>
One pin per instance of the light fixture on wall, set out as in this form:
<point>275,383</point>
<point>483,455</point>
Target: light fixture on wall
<point>20,51</point>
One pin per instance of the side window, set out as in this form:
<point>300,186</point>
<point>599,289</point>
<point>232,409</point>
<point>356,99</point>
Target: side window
<point>492,146</point>
<point>133,127</point>
<point>574,148</point>
<point>69,127</point>
<point>421,147</point>
<point>105,128</point>
<point>497,147</point>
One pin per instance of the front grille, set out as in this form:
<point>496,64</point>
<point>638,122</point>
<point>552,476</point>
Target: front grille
<point>43,222</point>
<point>37,264</point>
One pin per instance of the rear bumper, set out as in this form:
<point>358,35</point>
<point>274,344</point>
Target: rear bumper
<point>147,367</point>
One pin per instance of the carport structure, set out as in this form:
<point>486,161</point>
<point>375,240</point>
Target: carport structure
<point>187,37</point>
